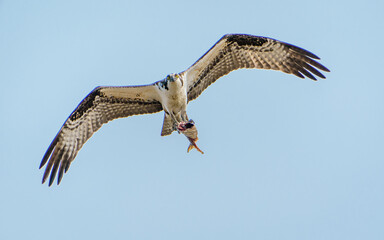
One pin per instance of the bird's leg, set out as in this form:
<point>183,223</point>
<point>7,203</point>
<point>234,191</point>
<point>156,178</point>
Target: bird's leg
<point>175,121</point>
<point>184,116</point>
<point>173,117</point>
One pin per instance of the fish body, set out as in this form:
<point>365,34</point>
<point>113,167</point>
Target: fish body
<point>190,131</point>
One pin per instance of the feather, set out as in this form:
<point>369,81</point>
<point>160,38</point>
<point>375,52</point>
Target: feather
<point>100,106</point>
<point>234,51</point>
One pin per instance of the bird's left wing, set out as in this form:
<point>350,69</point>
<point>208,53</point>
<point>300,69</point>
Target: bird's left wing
<point>234,51</point>
<point>102,105</point>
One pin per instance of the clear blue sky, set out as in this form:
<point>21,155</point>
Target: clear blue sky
<point>285,158</point>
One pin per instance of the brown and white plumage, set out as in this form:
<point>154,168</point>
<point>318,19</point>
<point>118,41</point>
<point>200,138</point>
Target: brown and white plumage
<point>103,104</point>
<point>234,51</point>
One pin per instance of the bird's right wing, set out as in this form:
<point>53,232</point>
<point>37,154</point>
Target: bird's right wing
<point>102,105</point>
<point>235,51</point>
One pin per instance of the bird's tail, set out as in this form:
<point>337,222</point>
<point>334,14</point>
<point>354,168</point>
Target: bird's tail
<point>168,127</point>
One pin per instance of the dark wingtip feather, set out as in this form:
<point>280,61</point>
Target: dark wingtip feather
<point>54,170</point>
<point>61,172</point>
<point>310,68</point>
<point>303,51</point>
<point>325,69</point>
<point>298,74</point>
<point>307,58</point>
<point>320,75</point>
<point>53,164</point>
<point>316,64</point>
<point>67,166</point>
<point>307,74</point>
<point>53,175</point>
<point>42,164</point>
<point>45,177</point>
<point>49,150</point>
<point>47,171</point>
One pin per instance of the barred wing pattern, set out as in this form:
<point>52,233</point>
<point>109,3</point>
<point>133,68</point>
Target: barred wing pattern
<point>234,51</point>
<point>102,105</point>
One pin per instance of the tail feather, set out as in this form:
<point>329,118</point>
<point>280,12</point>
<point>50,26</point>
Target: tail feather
<point>168,125</point>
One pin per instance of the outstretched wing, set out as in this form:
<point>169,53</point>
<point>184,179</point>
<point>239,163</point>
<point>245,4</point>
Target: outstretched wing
<point>234,51</point>
<point>102,105</point>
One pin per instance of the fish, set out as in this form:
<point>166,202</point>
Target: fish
<point>190,131</point>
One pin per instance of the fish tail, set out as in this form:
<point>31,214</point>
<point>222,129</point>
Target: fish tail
<point>192,146</point>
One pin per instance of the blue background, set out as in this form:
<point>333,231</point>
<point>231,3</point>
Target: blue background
<point>285,158</point>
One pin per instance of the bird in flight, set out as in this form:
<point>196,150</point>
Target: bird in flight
<point>172,94</point>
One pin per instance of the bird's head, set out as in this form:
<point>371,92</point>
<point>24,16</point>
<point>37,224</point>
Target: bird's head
<point>173,81</point>
<point>172,77</point>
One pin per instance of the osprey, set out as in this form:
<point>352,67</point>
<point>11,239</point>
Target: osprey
<point>172,94</point>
